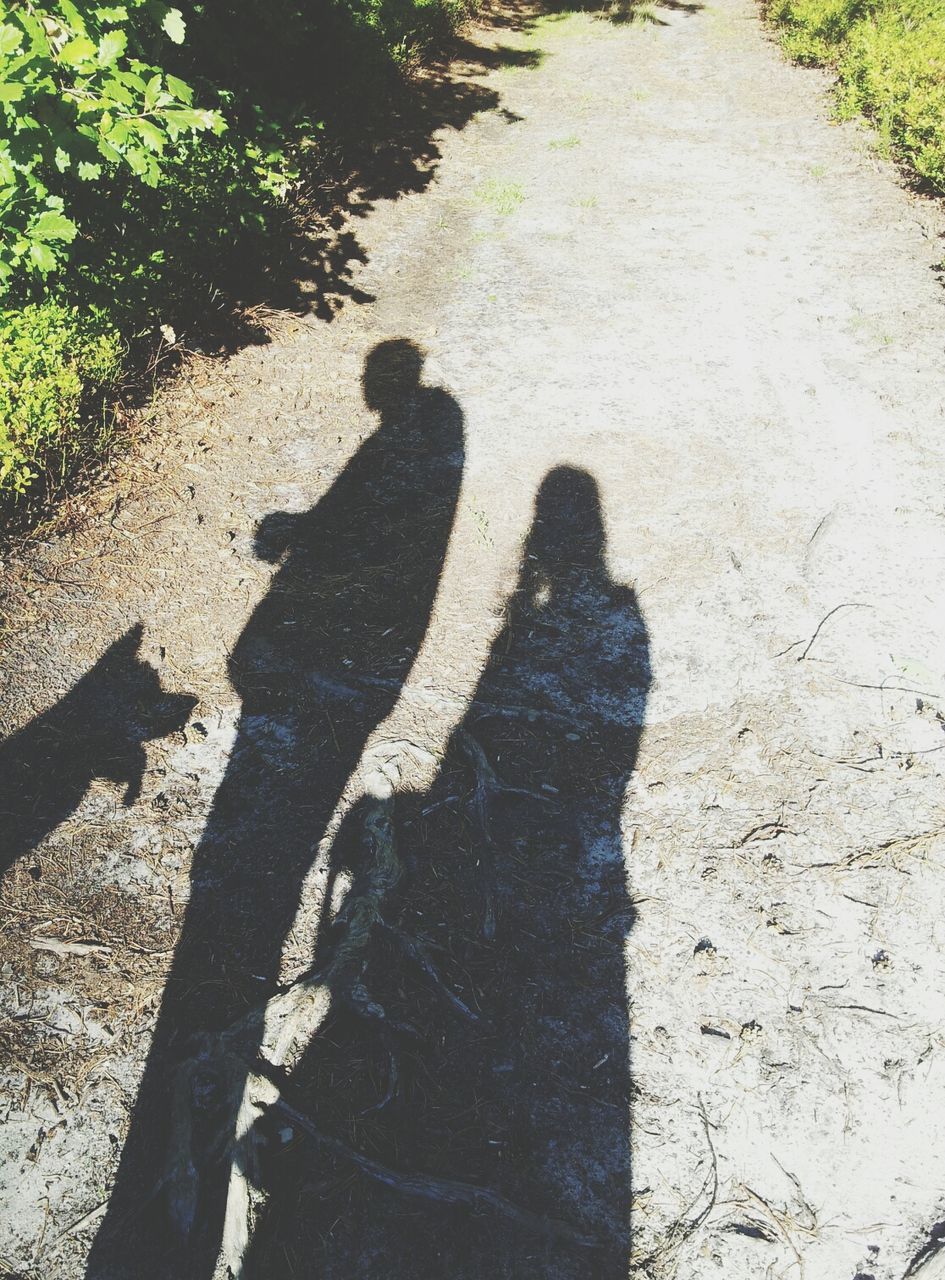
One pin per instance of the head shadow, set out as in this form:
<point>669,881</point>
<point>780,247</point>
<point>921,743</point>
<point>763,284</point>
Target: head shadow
<point>358,571</point>
<point>391,383</point>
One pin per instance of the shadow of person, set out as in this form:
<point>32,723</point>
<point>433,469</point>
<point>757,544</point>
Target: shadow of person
<point>97,730</point>
<point>477,1123</point>
<point>354,589</point>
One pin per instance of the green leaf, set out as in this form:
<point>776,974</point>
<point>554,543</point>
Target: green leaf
<point>77,51</point>
<point>42,256</point>
<point>53,226</point>
<point>180,89</point>
<point>11,38</point>
<point>129,78</point>
<point>118,135</point>
<point>173,25</point>
<point>184,118</point>
<point>12,92</point>
<point>152,136</point>
<point>119,93</point>
<point>117,13</point>
<point>88,170</point>
<point>152,92</point>
<point>112,154</point>
<point>34,30</point>
<point>189,118</point>
<point>111,46</point>
<point>63,160</point>
<point>72,15</point>
<point>138,162</point>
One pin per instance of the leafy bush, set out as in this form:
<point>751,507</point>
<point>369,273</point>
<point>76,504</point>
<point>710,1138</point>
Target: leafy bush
<point>152,162</point>
<point>96,107</point>
<point>75,104</point>
<point>890,58</point>
<point>55,363</point>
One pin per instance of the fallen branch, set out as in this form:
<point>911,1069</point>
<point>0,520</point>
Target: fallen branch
<point>849,604</point>
<point>61,948</point>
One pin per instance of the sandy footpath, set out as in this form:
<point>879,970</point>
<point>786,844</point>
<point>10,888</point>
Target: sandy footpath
<point>656,285</point>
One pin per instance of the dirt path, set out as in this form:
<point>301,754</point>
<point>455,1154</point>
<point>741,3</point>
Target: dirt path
<point>674,460</point>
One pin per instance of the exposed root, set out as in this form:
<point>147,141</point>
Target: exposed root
<point>244,1173</point>
<point>362,910</point>
<point>487,787</point>
<point>356,997</point>
<point>260,1094</point>
<point>442,1190</point>
<point>488,784</point>
<point>393,1080</point>
<point>292,1016</point>
<point>417,952</point>
<point>289,1014</point>
<point>181,1179</point>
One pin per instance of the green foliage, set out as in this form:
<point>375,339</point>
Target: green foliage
<point>153,161</point>
<point>80,97</point>
<point>54,363</point>
<point>890,58</point>
<point>168,254</point>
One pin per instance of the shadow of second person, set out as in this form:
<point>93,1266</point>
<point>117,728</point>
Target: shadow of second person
<point>468,1115</point>
<point>350,602</point>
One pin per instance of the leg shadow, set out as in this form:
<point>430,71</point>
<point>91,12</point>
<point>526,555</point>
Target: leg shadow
<point>468,1114</point>
<point>354,590</point>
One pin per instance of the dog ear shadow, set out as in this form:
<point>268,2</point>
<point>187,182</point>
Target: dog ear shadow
<point>275,533</point>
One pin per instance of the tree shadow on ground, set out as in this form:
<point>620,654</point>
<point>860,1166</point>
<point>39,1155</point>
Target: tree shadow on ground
<point>380,163</point>
<point>397,150</point>
<point>354,588</point>
<point>617,12</point>
<point>464,1109</point>
<point>644,12</point>
<point>207,250</point>
<point>382,140</point>
<point>403,157</point>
